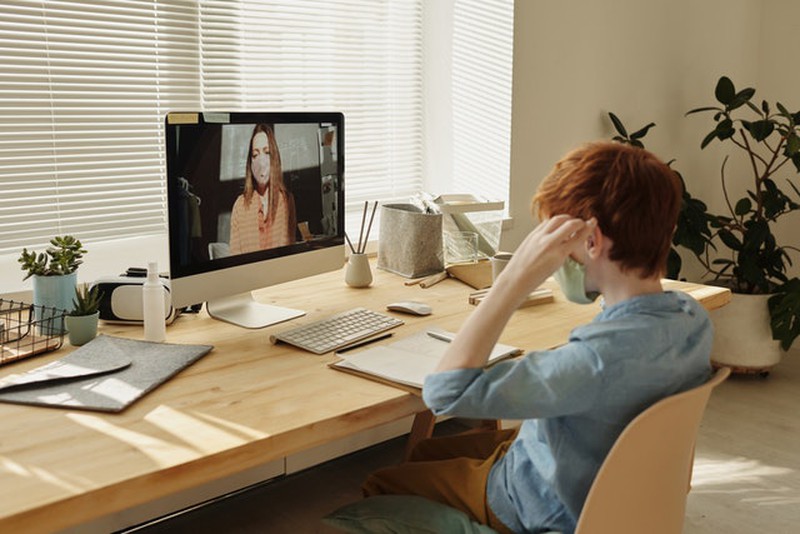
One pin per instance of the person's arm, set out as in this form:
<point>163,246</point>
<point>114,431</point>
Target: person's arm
<point>541,384</point>
<point>539,255</point>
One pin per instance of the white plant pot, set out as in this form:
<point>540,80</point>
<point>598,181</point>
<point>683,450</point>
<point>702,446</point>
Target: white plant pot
<point>742,335</point>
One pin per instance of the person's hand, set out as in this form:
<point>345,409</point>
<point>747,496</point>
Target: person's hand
<point>544,250</point>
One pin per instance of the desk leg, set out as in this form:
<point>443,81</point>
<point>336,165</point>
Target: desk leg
<point>421,428</point>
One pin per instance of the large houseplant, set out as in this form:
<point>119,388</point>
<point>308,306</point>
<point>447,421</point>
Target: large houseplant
<point>738,249</point>
<point>751,260</point>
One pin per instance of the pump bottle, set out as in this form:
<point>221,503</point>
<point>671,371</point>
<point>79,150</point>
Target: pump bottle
<point>155,326</point>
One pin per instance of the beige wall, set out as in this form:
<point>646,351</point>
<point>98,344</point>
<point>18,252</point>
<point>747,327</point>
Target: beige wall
<point>645,60</point>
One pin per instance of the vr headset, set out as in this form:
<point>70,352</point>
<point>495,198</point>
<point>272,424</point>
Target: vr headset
<point>121,297</point>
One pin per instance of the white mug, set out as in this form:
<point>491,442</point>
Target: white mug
<point>499,262</point>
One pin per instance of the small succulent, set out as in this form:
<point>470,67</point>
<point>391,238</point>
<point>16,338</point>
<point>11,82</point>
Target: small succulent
<point>86,301</point>
<point>62,257</point>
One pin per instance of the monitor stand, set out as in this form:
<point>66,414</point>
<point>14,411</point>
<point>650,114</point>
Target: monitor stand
<point>243,310</point>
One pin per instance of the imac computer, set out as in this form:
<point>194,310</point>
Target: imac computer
<point>254,199</point>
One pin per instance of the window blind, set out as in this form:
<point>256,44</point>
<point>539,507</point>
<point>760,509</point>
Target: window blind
<point>84,87</point>
<point>483,32</point>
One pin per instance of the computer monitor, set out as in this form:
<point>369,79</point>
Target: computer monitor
<point>254,199</point>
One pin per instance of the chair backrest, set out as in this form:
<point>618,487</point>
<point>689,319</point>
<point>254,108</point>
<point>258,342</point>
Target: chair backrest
<point>643,482</point>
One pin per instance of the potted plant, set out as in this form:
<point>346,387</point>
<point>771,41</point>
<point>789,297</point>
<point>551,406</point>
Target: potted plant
<point>53,273</point>
<point>738,249</point>
<point>749,260</point>
<point>82,320</point>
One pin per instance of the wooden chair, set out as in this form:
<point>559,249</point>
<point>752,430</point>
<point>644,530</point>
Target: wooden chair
<point>643,482</point>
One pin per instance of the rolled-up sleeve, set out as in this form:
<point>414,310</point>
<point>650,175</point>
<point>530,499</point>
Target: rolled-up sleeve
<point>540,384</point>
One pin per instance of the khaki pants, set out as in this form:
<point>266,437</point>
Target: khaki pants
<point>451,470</point>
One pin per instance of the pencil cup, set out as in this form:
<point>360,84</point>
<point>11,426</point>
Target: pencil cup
<point>358,272</point>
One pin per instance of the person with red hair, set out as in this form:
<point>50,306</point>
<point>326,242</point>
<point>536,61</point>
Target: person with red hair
<point>608,214</point>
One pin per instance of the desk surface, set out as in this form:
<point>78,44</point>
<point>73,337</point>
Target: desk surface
<point>244,404</point>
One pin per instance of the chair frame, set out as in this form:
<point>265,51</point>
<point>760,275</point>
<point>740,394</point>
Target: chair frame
<point>643,483</point>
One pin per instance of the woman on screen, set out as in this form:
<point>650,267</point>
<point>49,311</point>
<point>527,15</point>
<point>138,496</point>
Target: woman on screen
<point>264,215</point>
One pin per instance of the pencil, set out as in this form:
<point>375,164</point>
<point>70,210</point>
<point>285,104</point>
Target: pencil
<point>440,337</point>
<point>369,227</point>
<point>361,231</point>
<point>349,243</point>
<point>366,342</point>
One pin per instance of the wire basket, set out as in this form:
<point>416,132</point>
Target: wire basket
<point>28,329</point>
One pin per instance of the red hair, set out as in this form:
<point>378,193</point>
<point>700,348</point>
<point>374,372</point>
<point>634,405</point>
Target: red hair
<point>633,194</point>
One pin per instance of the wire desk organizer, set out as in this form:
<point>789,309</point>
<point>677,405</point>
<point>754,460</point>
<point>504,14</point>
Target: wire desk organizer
<point>28,329</point>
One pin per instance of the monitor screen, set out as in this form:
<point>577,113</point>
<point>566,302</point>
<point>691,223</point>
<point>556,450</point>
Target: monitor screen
<point>255,199</point>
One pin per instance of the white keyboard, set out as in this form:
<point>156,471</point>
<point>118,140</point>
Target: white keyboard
<point>337,331</point>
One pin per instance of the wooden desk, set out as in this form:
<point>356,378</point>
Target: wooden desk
<point>244,404</point>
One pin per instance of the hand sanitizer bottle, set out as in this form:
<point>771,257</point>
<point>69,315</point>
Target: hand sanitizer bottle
<point>155,326</point>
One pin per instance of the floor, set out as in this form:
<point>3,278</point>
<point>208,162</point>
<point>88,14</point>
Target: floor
<point>746,476</point>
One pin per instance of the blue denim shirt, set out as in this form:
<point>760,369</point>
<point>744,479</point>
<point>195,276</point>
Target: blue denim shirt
<point>576,400</point>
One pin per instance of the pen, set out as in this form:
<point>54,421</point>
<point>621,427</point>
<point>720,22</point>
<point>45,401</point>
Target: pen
<point>440,337</point>
<point>366,342</point>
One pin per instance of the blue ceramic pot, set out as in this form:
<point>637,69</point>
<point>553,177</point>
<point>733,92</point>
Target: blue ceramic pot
<point>53,292</point>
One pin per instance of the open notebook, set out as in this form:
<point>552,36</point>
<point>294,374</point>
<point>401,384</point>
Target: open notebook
<point>409,360</point>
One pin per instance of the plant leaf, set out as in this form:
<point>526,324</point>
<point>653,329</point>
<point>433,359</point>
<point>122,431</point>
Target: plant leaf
<point>784,310</point>
<point>760,130</point>
<point>704,108</point>
<point>674,263</point>
<point>708,138</point>
<point>743,97</point>
<point>792,145</point>
<point>724,129</point>
<point>638,134</point>
<point>725,92</point>
<point>730,240</point>
<point>743,206</point>
<point>618,125</point>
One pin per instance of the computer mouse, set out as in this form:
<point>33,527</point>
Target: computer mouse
<point>410,306</point>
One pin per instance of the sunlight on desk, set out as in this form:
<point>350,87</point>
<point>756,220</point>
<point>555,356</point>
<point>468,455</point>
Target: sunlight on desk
<point>202,436</point>
<point>241,429</point>
<point>163,453</point>
<point>43,475</point>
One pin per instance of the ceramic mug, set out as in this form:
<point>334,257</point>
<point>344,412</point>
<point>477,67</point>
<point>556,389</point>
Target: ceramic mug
<point>499,262</point>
